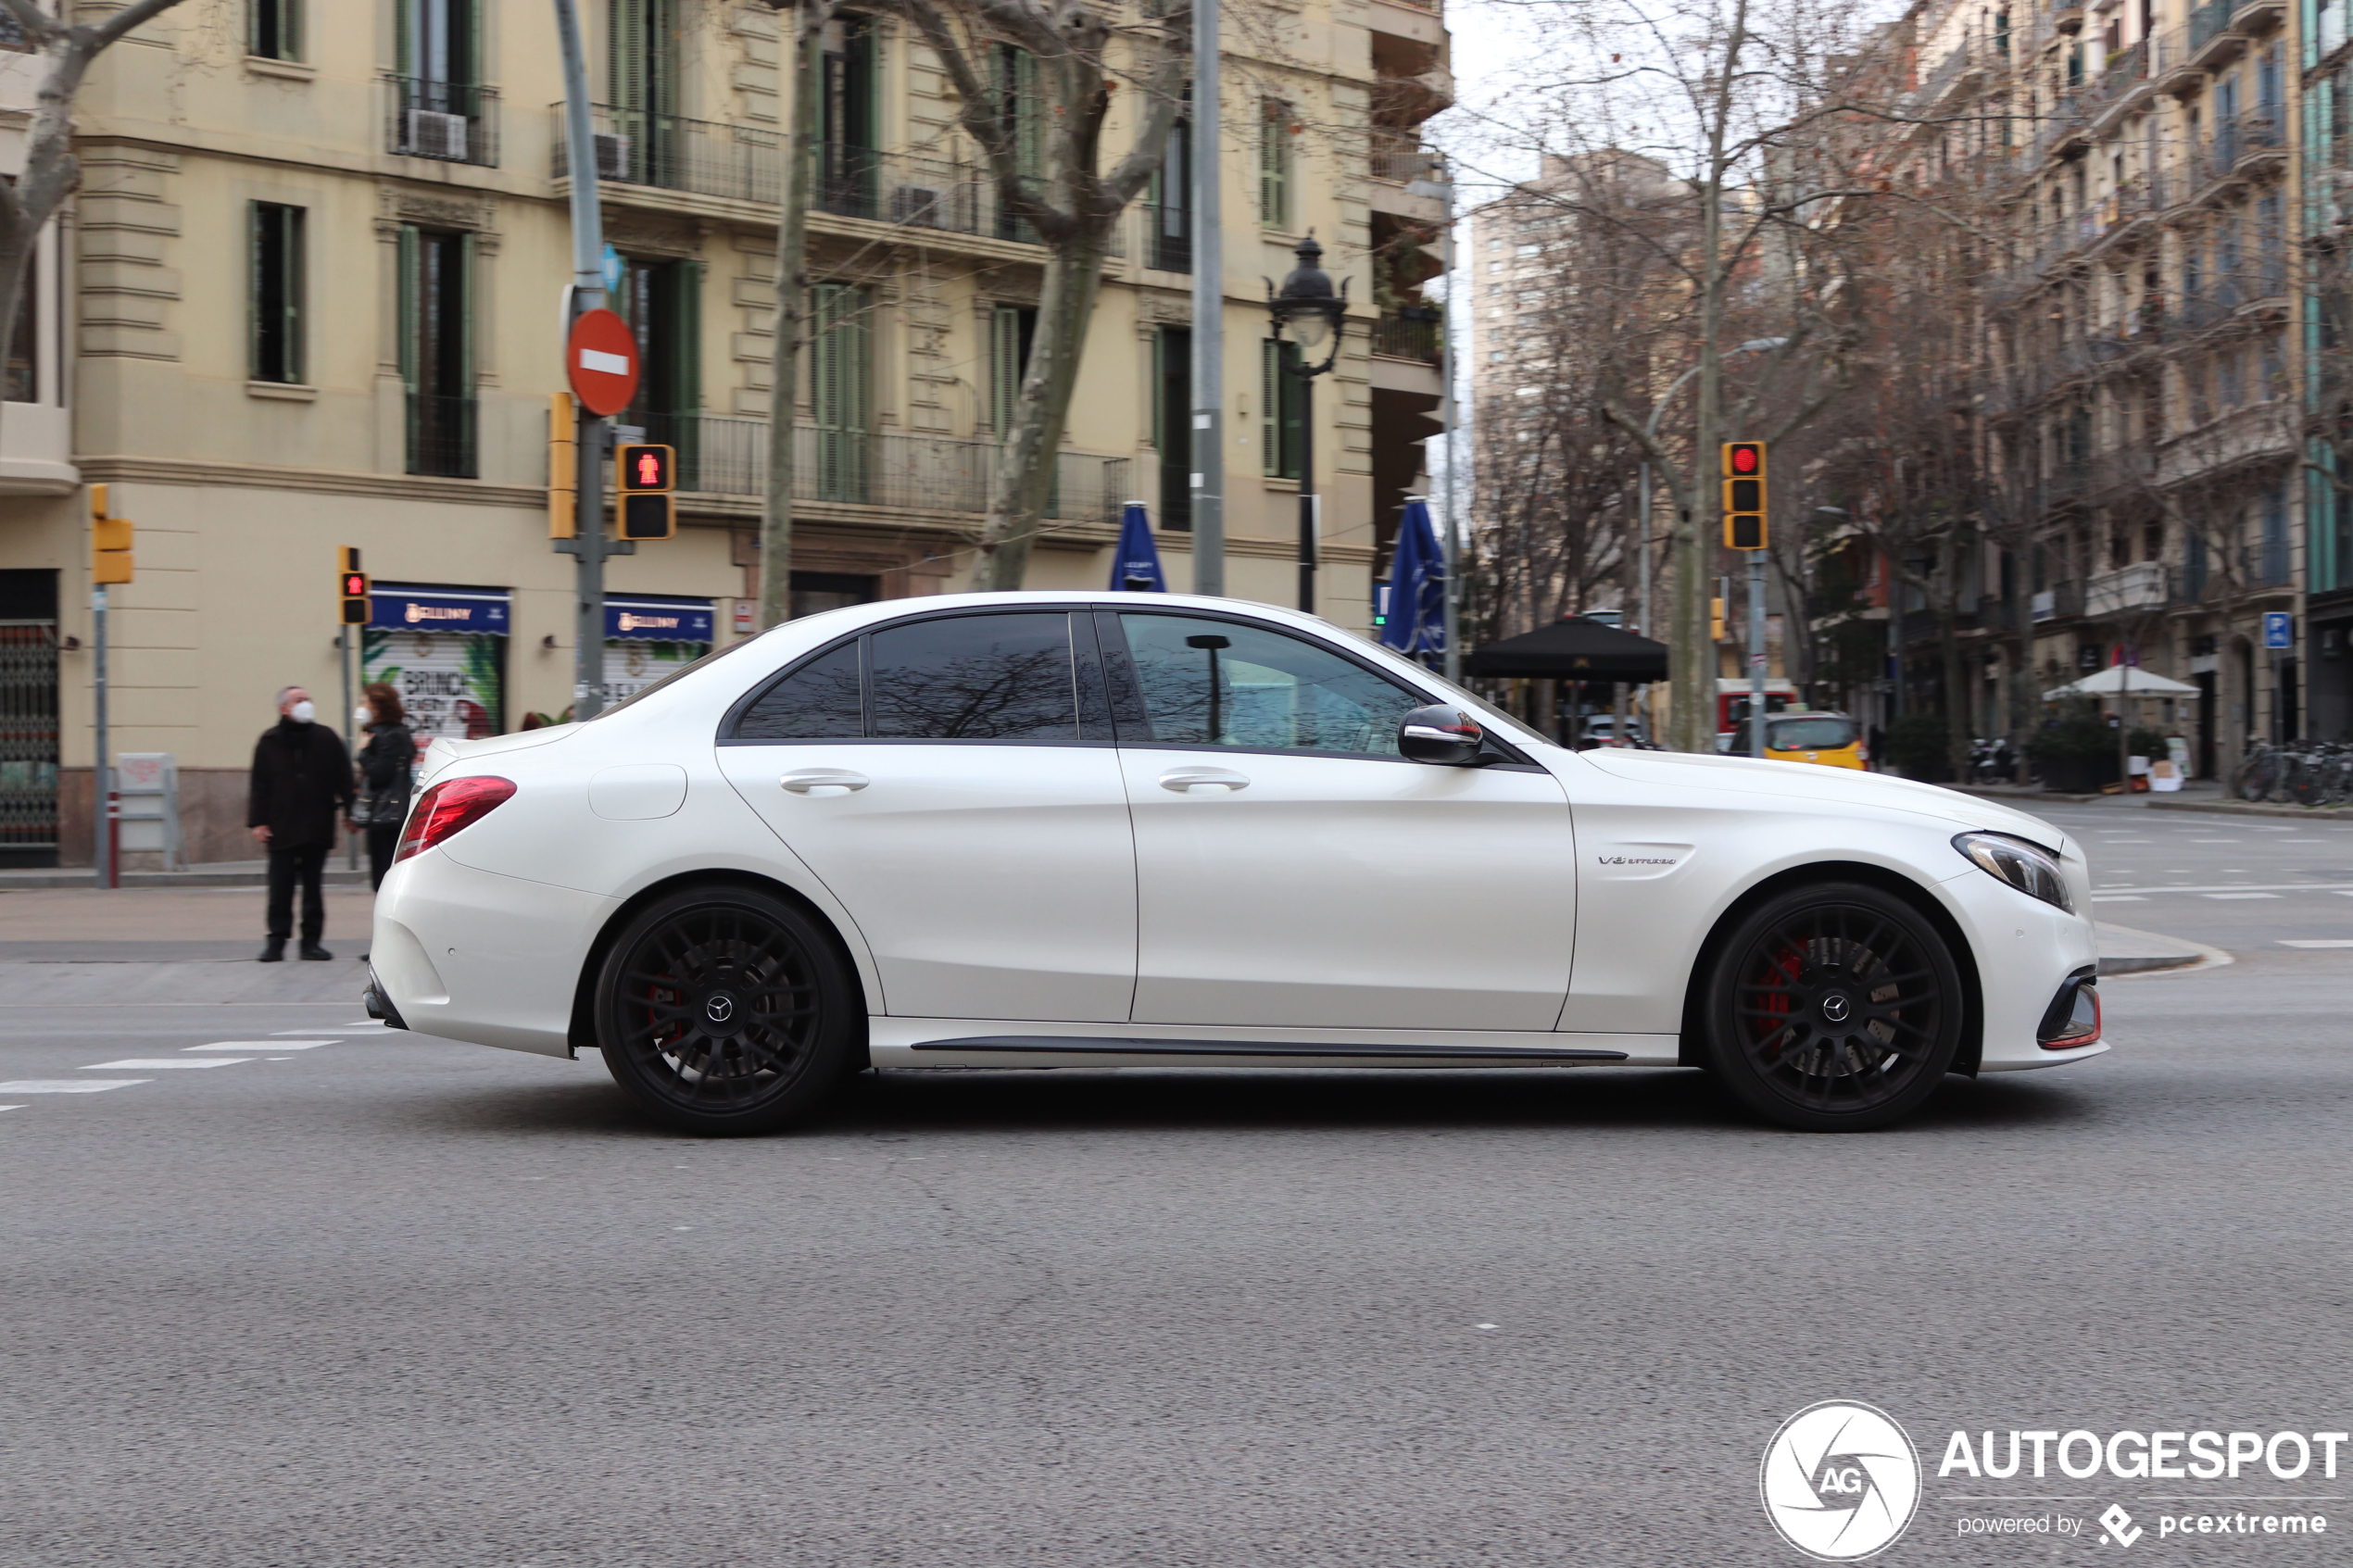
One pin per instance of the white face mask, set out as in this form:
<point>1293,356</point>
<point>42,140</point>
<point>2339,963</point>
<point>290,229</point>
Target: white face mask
<point>362,717</point>
<point>302,712</point>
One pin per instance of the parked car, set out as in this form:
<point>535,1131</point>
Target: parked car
<point>1118,830</point>
<point>1601,729</point>
<point>1829,740</point>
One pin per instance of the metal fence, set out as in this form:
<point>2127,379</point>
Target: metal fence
<point>442,435</point>
<point>1168,236</point>
<point>28,735</point>
<point>1413,332</point>
<point>721,455</point>
<point>673,152</point>
<point>453,121</point>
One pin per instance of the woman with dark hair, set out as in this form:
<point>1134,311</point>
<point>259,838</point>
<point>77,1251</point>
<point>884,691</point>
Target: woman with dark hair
<point>387,769</point>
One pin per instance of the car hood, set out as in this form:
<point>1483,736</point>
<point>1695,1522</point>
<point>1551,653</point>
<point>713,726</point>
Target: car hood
<point>1802,781</point>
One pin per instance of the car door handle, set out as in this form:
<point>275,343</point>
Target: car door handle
<point>808,780</point>
<point>1224,780</point>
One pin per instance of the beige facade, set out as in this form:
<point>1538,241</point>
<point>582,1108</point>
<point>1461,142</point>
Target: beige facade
<point>375,369</point>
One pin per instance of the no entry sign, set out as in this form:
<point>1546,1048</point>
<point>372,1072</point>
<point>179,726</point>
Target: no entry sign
<point>601,360</point>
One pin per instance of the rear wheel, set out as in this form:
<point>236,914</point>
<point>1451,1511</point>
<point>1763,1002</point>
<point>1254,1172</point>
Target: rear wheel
<point>724,1010</point>
<point>1835,1008</point>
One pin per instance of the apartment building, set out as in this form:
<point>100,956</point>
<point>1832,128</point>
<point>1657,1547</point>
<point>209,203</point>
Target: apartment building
<point>2144,358</point>
<point>309,295</point>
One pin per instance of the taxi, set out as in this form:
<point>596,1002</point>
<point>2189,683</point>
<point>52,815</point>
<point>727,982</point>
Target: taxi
<point>1827,740</point>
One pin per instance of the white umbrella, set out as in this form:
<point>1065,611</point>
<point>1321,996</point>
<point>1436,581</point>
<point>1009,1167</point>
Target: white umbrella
<point>2111,681</point>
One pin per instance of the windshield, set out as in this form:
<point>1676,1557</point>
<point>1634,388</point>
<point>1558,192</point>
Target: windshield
<point>1809,735</point>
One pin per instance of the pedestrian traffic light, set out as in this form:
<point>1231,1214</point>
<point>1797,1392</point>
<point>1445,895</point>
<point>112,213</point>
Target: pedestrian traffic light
<point>645,478</point>
<point>1744,494</point>
<point>351,584</point>
<point>109,542</point>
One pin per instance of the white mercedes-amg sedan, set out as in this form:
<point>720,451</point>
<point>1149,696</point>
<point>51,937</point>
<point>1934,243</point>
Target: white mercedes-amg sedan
<point>1097,830</point>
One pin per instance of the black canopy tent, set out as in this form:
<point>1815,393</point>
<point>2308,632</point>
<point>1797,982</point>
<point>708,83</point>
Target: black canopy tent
<point>1572,648</point>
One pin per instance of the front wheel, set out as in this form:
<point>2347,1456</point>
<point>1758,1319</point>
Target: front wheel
<point>1834,1008</point>
<point>724,1010</point>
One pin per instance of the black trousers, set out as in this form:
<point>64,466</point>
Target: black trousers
<point>382,842</point>
<point>294,863</point>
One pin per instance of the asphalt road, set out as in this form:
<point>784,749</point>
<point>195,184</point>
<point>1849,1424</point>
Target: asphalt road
<point>391,1300</point>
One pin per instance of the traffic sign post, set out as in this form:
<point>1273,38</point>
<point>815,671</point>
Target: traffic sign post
<point>111,562</point>
<point>2279,638</point>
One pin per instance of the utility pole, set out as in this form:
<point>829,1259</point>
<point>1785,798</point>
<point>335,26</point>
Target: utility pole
<point>102,776</point>
<point>1206,446</point>
<point>588,545</point>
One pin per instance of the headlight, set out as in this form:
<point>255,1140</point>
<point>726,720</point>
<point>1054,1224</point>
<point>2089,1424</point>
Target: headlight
<point>2030,868</point>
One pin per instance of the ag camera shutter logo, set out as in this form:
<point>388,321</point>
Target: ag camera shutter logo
<point>1840,1481</point>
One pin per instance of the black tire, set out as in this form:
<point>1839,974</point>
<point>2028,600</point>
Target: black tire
<point>724,1012</point>
<point>1833,1008</point>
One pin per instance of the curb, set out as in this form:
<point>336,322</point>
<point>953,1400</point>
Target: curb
<point>11,882</point>
<point>2155,958</point>
<point>2256,808</point>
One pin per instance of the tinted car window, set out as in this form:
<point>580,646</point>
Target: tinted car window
<point>1809,735</point>
<point>974,677</point>
<point>1219,683</point>
<point>822,701</point>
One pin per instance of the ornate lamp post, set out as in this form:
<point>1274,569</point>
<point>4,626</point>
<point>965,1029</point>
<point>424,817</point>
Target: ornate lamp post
<point>1308,305</point>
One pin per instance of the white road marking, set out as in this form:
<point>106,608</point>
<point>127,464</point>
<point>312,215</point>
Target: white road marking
<point>2319,942</point>
<point>67,1086</point>
<point>329,1029</point>
<point>2237,887</point>
<point>2303,841</point>
<point>262,1046</point>
<point>2238,895</point>
<point>164,1063</point>
<point>2118,898</point>
<point>11,1108</point>
<point>2213,841</point>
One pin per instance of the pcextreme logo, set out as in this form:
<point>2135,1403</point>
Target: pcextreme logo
<point>1840,1481</point>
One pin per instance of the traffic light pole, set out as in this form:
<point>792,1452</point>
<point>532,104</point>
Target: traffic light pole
<point>350,736</point>
<point>1755,653</point>
<point>101,776</point>
<point>588,544</point>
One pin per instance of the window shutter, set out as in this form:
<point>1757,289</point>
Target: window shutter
<point>1270,404</point>
<point>1273,164</point>
<point>1004,365</point>
<point>686,374</point>
<point>297,291</point>
<point>463,287</point>
<point>625,56</point>
<point>257,296</point>
<point>410,243</point>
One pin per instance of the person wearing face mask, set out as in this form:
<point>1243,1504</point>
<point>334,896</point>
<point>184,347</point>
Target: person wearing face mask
<point>387,765</point>
<point>301,783</point>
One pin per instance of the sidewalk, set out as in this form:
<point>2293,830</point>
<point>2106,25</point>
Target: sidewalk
<point>210,874</point>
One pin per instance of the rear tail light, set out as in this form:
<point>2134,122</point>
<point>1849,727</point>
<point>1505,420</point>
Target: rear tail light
<point>446,807</point>
<point>2074,1018</point>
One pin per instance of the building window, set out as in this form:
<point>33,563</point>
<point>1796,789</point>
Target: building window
<point>1169,206</point>
<point>1283,397</point>
<point>1020,101</point>
<point>1173,423</point>
<point>436,349</point>
<point>277,293</point>
<point>276,31</point>
<point>440,108</point>
<point>1275,158</point>
<point>840,389</point>
<point>662,303</point>
<point>1011,329</point>
<point>641,86</point>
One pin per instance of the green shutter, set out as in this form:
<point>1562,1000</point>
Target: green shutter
<point>1270,403</point>
<point>465,288</point>
<point>687,372</point>
<point>1273,164</point>
<point>408,314</point>
<point>297,293</point>
<point>256,295</point>
<point>1004,365</point>
<point>838,390</point>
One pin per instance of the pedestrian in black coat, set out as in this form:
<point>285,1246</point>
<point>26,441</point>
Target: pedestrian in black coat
<point>301,781</point>
<point>387,767</point>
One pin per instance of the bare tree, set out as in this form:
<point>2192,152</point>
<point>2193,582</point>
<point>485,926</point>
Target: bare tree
<point>51,171</point>
<point>791,319</point>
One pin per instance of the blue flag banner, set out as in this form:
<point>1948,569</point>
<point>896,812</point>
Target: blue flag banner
<point>1135,568</point>
<point>1417,626</point>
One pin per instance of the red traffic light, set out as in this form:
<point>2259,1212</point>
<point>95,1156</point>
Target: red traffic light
<point>355,585</point>
<point>647,468</point>
<point>1744,457</point>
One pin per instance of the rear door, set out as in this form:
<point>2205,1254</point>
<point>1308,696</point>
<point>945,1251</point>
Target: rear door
<point>951,779</point>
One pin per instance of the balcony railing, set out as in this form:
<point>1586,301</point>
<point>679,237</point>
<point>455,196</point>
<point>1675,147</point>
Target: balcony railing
<point>725,456</point>
<point>2210,21</point>
<point>1168,236</point>
<point>1417,331</point>
<point>2060,601</point>
<point>441,436</point>
<point>1399,157</point>
<point>2254,131</point>
<point>671,153</point>
<point>449,121</point>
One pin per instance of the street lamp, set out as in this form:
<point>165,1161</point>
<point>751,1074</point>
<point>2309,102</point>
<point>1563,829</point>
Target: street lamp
<point>1308,305</point>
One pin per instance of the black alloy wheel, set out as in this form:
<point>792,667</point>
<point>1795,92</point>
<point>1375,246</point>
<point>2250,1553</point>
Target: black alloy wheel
<point>724,1010</point>
<point>1833,1008</point>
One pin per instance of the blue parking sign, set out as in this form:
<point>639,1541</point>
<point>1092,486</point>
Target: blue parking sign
<point>2279,629</point>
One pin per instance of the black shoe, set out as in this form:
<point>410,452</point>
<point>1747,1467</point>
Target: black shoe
<point>312,950</point>
<point>274,952</point>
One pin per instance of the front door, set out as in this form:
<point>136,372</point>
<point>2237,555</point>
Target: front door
<point>937,776</point>
<point>1294,871</point>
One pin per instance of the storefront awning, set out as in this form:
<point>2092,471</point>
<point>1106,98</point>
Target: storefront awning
<point>424,607</point>
<point>647,617</point>
<point>1572,648</point>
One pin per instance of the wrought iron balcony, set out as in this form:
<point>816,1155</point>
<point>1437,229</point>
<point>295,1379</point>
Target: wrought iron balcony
<point>442,435</point>
<point>452,121</point>
<point>671,153</point>
<point>1416,331</point>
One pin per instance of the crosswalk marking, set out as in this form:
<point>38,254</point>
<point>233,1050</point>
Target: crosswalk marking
<point>164,1063</point>
<point>2318,942</point>
<point>2238,895</point>
<point>2118,898</point>
<point>263,1045</point>
<point>67,1086</point>
<point>331,1029</point>
<point>11,1108</point>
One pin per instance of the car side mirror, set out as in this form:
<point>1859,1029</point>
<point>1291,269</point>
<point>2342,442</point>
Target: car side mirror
<point>1442,734</point>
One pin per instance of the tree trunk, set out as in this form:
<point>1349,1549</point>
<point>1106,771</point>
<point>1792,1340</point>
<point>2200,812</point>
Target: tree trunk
<point>1023,480</point>
<point>791,319</point>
